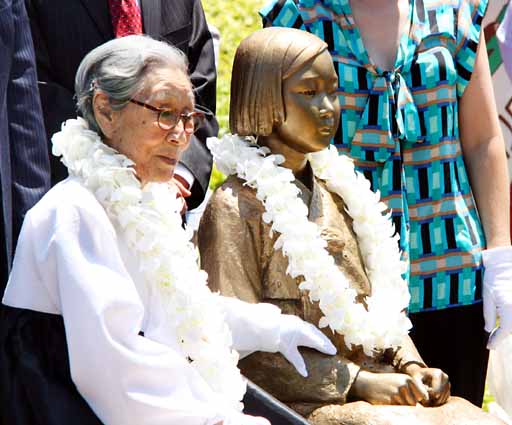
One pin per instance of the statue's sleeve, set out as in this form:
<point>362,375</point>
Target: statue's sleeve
<point>229,243</point>
<point>407,354</point>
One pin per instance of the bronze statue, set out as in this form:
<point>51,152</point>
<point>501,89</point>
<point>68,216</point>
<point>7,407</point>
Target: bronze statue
<point>283,93</point>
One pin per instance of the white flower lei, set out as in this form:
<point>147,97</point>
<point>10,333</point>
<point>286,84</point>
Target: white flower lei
<point>148,219</point>
<point>384,323</point>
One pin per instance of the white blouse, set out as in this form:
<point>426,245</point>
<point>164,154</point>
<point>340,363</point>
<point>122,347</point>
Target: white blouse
<point>70,261</point>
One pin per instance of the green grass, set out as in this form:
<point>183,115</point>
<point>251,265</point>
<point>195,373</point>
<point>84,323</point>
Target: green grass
<point>488,398</point>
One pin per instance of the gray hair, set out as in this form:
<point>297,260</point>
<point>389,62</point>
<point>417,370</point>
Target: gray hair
<point>119,69</point>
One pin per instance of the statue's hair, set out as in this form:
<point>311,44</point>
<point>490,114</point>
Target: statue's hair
<point>119,68</point>
<point>262,62</point>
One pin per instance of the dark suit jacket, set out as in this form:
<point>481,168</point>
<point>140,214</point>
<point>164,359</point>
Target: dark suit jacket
<point>64,31</point>
<point>24,168</point>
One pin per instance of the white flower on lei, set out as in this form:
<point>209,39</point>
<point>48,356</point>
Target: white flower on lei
<point>383,324</point>
<point>148,220</point>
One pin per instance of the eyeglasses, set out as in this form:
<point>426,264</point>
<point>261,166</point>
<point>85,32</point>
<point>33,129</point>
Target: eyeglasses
<point>168,119</point>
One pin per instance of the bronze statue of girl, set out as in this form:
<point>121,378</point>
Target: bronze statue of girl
<point>284,93</point>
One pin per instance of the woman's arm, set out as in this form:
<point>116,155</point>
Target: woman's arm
<point>484,152</point>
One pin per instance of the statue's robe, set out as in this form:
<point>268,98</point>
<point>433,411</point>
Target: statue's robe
<point>237,251</point>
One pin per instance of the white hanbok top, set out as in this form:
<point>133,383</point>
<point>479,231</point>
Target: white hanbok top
<point>71,261</point>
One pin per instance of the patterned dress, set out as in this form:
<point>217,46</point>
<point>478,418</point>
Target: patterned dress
<point>401,127</point>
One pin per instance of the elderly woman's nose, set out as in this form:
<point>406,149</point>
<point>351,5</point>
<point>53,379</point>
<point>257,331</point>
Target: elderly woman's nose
<point>177,135</point>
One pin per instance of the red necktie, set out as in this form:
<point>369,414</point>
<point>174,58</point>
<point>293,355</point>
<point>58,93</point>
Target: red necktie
<point>126,18</point>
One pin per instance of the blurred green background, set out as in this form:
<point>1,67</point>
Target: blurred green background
<point>235,20</point>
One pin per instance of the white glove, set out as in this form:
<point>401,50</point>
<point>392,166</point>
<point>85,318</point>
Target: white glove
<point>294,332</point>
<point>262,327</point>
<point>497,293</point>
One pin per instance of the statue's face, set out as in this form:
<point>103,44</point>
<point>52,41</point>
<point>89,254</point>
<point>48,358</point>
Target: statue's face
<point>311,106</point>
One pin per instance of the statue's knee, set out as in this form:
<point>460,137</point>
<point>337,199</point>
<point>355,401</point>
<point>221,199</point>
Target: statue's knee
<point>456,411</point>
<point>356,413</point>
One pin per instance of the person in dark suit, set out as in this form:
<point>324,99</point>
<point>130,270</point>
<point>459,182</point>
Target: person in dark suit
<point>24,168</point>
<point>64,31</point>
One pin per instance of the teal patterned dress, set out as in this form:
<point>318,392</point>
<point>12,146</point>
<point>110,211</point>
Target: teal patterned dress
<point>401,127</point>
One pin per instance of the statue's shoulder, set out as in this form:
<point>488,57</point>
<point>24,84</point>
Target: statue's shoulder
<point>234,196</point>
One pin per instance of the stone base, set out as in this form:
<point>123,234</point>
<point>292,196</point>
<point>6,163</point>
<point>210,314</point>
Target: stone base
<point>456,412</point>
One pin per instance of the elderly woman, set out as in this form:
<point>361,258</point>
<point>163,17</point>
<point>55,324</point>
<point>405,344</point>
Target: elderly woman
<point>109,318</point>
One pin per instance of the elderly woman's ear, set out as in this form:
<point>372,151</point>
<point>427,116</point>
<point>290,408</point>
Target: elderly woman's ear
<point>104,113</point>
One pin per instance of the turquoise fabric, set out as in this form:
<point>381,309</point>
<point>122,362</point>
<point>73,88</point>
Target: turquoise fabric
<point>401,127</point>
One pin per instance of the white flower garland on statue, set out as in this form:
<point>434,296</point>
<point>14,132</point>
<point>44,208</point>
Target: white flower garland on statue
<point>383,323</point>
<point>148,219</point>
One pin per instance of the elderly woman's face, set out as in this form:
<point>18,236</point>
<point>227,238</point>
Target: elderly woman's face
<point>137,134</point>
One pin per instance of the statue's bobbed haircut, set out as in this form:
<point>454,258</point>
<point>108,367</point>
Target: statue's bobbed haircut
<point>119,68</point>
<point>262,62</point>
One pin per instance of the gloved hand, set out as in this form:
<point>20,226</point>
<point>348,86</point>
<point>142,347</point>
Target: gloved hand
<point>262,327</point>
<point>295,332</point>
<point>497,293</point>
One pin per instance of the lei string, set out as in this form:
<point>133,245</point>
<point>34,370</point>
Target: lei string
<point>148,220</point>
<point>383,324</point>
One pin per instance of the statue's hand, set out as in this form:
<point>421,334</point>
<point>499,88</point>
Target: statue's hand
<point>388,388</point>
<point>435,380</point>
